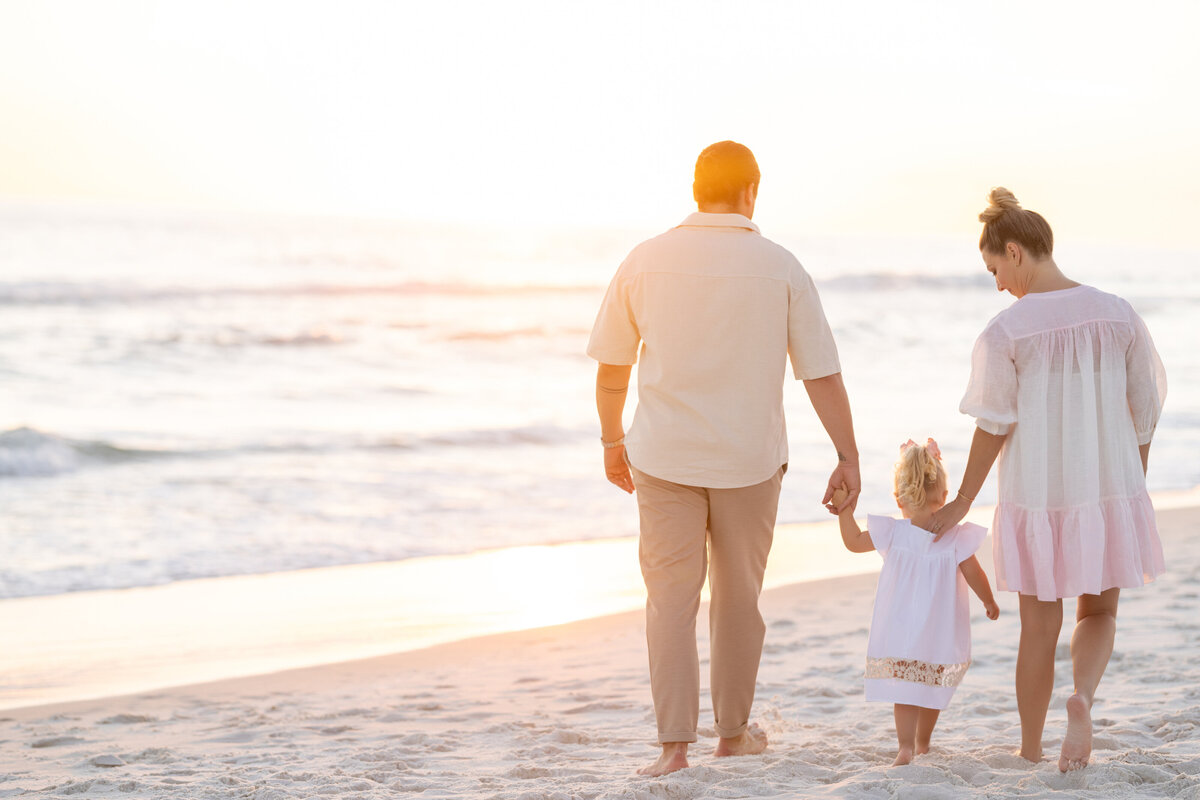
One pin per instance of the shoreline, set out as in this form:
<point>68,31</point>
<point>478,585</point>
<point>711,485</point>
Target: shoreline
<point>565,711</point>
<point>92,645</point>
<point>95,644</point>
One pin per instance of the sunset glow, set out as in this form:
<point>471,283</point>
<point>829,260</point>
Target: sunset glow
<point>895,119</point>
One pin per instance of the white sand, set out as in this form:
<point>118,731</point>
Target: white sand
<point>564,712</point>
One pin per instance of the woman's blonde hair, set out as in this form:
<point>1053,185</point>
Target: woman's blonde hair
<point>919,474</point>
<point>1005,221</point>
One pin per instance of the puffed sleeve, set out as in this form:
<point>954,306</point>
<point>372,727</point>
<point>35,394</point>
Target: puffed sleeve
<point>810,340</point>
<point>991,396</point>
<point>880,529</point>
<point>615,336</point>
<point>967,539</point>
<point>1145,380</point>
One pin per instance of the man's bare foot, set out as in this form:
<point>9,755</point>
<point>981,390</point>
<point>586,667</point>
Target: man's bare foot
<point>752,742</point>
<point>905,756</point>
<point>1077,744</point>
<point>672,758</point>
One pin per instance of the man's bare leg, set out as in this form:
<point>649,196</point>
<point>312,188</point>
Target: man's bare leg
<point>673,757</point>
<point>1040,626</point>
<point>1091,647</point>
<point>751,742</point>
<point>926,720</point>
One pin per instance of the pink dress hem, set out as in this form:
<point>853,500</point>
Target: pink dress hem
<point>1059,553</point>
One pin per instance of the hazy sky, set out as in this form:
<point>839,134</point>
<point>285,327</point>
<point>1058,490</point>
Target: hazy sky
<point>871,117</point>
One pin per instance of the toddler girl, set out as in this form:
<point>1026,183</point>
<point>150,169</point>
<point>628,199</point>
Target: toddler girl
<point>920,643</point>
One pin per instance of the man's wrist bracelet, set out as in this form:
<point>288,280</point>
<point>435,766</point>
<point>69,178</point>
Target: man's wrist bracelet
<point>611,445</point>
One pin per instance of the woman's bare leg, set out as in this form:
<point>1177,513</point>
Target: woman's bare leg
<point>1041,623</point>
<point>1091,647</point>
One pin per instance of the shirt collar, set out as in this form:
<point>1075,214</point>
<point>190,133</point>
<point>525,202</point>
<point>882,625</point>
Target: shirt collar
<point>701,219</point>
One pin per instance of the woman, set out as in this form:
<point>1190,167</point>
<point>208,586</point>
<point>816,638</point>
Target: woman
<point>1066,387</point>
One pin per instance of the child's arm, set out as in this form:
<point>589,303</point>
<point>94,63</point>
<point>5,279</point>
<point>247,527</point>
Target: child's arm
<point>977,580</point>
<point>855,539</point>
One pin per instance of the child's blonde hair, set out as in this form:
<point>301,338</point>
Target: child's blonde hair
<point>919,473</point>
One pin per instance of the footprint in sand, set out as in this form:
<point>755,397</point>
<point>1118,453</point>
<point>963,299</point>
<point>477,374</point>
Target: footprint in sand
<point>56,741</point>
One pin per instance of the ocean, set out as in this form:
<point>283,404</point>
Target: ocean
<point>190,396</point>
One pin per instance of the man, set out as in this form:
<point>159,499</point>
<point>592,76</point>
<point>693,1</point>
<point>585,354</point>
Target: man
<point>717,310</point>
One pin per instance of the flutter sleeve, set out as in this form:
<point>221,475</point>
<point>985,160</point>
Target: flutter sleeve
<point>967,540</point>
<point>880,529</point>
<point>1145,380</point>
<point>991,396</point>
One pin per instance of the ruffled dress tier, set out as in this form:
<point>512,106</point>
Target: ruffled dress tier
<point>920,642</point>
<point>1074,381</point>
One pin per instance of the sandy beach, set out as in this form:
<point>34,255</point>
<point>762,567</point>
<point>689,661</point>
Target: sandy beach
<point>564,712</point>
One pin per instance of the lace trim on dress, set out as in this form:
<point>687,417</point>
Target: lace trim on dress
<point>916,671</point>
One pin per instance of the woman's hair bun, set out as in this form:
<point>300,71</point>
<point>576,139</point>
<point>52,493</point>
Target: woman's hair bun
<point>999,201</point>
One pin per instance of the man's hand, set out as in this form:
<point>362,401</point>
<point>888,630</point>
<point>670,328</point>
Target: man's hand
<point>617,469</point>
<point>844,479</point>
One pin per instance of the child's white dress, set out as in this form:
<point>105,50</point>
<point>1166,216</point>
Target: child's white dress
<point>920,643</point>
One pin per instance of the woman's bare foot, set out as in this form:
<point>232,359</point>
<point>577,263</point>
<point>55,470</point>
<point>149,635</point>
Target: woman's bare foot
<point>905,756</point>
<point>672,758</point>
<point>1077,744</point>
<point>921,749</point>
<point>1035,758</point>
<point>752,742</point>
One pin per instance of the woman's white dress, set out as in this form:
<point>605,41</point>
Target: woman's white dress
<point>1073,379</point>
<point>920,642</point>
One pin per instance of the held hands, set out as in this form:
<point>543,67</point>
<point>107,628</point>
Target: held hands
<point>947,517</point>
<point>840,495</point>
<point>844,479</point>
<point>617,470</point>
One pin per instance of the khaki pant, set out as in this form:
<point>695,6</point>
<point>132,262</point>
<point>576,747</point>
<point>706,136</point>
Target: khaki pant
<point>683,528</point>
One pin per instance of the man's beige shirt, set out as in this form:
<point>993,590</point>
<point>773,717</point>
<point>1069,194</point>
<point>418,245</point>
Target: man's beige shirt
<point>717,309</point>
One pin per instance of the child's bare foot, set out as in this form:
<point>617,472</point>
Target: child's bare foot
<point>752,742</point>
<point>1077,744</point>
<point>1035,757</point>
<point>673,757</point>
<point>905,756</point>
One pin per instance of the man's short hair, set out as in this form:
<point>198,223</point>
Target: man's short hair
<point>723,171</point>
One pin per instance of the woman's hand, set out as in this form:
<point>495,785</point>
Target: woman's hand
<point>948,516</point>
<point>617,469</point>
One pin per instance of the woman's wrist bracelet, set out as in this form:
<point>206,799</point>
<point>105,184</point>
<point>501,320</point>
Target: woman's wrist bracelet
<point>965,497</point>
<point>611,445</point>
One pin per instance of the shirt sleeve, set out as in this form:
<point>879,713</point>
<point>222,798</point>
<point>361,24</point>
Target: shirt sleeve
<point>991,396</point>
<point>880,530</point>
<point>615,336</point>
<point>967,539</point>
<point>1145,380</point>
<point>810,341</point>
